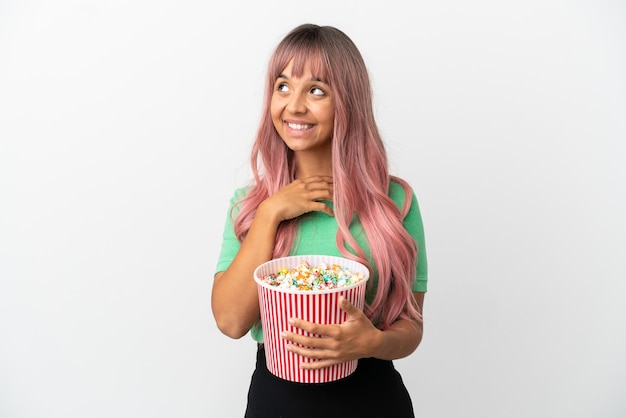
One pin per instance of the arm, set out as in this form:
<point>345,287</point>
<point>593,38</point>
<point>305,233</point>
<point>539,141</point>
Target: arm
<point>234,298</point>
<point>402,337</point>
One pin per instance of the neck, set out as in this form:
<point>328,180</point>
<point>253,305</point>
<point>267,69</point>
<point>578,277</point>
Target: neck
<point>308,165</point>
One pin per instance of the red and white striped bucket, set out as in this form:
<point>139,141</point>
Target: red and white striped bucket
<point>319,306</point>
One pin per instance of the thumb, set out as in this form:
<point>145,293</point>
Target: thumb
<point>348,307</point>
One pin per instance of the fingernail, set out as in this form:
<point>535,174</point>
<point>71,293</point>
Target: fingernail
<point>291,321</point>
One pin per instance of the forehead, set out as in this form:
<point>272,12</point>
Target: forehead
<point>304,63</point>
<point>305,72</point>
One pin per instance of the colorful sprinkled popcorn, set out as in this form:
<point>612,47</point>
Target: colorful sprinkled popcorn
<point>305,277</point>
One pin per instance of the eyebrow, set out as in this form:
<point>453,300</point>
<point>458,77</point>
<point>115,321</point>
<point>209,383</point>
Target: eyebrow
<point>311,79</point>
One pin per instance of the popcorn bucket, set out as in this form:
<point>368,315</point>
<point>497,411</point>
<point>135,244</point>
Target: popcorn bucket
<point>319,306</point>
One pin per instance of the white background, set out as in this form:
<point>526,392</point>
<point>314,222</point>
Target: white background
<point>126,125</point>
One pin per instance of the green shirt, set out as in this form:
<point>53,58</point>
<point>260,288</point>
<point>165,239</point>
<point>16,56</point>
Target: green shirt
<point>316,234</point>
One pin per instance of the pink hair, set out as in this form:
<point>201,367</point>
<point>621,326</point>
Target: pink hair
<point>360,170</point>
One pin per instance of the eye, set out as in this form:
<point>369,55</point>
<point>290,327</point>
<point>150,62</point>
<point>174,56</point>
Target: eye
<point>318,91</point>
<point>282,87</point>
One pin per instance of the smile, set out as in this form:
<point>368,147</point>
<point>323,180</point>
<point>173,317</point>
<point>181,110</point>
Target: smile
<point>299,127</point>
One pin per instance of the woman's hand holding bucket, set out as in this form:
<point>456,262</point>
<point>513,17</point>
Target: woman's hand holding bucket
<point>355,338</point>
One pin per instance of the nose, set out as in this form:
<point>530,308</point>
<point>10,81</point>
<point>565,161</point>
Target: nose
<point>296,104</point>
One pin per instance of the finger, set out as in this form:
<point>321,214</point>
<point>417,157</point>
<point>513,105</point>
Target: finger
<point>320,195</point>
<point>318,179</point>
<point>348,307</point>
<point>311,327</point>
<point>318,185</point>
<point>316,192</point>
<point>321,358</point>
<point>311,353</point>
<point>323,207</point>
<point>302,341</point>
<point>320,364</point>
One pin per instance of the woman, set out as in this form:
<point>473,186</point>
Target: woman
<point>321,186</point>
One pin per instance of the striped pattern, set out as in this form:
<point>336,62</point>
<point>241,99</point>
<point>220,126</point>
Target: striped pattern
<point>278,305</point>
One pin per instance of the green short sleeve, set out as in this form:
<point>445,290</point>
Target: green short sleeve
<point>415,227</point>
<point>230,243</point>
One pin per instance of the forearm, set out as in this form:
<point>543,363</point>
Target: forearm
<point>399,340</point>
<point>234,298</point>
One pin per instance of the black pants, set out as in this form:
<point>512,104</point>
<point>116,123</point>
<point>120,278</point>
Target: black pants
<point>374,390</point>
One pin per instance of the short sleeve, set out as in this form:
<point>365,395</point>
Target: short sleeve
<point>230,243</point>
<point>415,227</point>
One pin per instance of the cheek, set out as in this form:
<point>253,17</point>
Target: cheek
<point>275,118</point>
<point>329,118</point>
<point>275,110</point>
<point>329,113</point>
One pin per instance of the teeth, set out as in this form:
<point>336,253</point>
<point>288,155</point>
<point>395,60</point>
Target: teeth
<point>299,127</point>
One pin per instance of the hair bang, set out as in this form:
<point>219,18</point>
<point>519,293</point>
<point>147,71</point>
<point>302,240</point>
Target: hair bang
<point>303,57</point>
<point>312,59</point>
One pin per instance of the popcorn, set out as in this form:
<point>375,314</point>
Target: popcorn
<point>304,277</point>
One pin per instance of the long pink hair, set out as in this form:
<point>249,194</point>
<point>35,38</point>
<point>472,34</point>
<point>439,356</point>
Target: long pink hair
<point>360,170</point>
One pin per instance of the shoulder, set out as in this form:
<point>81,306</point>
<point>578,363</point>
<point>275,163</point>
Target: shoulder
<point>400,191</point>
<point>240,193</point>
<point>237,197</point>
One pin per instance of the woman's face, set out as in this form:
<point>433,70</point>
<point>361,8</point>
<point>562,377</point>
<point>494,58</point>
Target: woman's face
<point>303,112</point>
